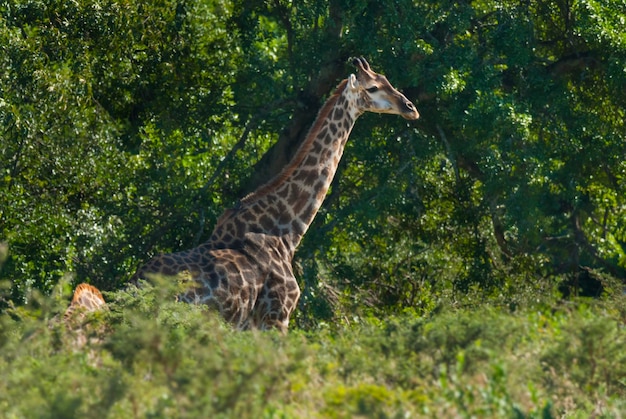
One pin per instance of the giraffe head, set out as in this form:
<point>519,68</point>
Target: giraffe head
<point>376,94</point>
<point>87,298</point>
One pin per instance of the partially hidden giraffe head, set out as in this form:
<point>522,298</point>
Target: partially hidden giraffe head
<point>87,298</point>
<point>376,94</point>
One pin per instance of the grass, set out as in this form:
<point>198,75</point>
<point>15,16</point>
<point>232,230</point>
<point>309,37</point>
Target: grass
<point>152,357</point>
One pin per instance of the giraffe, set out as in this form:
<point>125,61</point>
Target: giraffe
<point>87,298</point>
<point>244,270</point>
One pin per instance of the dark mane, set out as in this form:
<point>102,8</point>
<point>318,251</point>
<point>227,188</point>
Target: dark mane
<point>302,152</point>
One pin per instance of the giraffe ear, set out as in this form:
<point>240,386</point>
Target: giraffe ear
<point>353,82</point>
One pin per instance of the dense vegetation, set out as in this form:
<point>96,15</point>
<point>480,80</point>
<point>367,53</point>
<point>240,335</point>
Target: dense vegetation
<point>163,359</point>
<point>447,270</point>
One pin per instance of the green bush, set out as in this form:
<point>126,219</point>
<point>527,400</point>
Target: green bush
<point>150,356</point>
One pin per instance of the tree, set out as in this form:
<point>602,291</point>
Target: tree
<point>108,111</point>
<point>128,127</point>
<point>520,142</point>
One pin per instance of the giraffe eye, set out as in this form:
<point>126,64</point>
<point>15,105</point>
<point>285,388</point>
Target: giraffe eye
<point>372,89</point>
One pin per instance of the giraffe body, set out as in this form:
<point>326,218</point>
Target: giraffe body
<point>245,269</point>
<point>86,299</point>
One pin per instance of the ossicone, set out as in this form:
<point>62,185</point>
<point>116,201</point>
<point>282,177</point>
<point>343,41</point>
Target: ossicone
<point>361,63</point>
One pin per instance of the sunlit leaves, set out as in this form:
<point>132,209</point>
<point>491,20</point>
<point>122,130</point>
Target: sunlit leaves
<point>80,84</point>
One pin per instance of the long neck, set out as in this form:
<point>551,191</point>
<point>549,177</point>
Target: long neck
<point>286,205</point>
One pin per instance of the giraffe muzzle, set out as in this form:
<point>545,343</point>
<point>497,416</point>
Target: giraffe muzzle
<point>410,111</point>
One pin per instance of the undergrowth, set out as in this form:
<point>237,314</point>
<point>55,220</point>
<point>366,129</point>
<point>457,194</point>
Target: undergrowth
<point>152,357</point>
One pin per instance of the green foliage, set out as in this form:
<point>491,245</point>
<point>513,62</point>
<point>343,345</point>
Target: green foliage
<point>128,127</point>
<point>159,358</point>
<point>108,110</point>
<point>515,171</point>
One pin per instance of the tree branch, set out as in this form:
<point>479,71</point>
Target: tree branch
<point>577,61</point>
<point>289,139</point>
<point>581,240</point>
